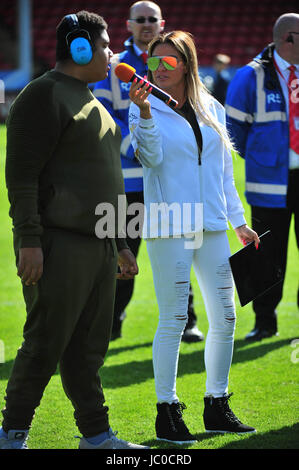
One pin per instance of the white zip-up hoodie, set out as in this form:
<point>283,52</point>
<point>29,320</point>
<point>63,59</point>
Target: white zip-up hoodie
<point>167,149</point>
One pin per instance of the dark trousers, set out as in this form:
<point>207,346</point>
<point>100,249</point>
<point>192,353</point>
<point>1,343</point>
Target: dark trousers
<point>124,289</point>
<point>278,221</point>
<point>69,318</point>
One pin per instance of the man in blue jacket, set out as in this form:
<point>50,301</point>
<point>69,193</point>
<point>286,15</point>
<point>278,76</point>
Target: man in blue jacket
<point>262,106</point>
<point>145,22</point>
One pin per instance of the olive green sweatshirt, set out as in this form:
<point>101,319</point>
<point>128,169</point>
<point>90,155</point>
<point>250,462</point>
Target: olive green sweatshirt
<point>63,159</point>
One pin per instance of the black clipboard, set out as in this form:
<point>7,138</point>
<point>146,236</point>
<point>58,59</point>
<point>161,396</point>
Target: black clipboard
<point>254,270</point>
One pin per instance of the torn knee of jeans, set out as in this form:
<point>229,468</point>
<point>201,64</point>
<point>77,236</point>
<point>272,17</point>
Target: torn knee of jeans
<point>181,317</point>
<point>225,291</point>
<point>182,290</point>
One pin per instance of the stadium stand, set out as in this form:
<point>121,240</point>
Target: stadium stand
<point>234,27</point>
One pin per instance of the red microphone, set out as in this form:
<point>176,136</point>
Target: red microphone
<point>127,74</point>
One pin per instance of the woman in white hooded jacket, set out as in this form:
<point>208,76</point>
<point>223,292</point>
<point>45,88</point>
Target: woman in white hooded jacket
<point>190,196</point>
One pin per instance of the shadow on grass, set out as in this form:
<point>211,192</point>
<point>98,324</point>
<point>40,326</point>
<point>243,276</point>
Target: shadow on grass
<point>123,375</point>
<point>284,438</point>
<point>135,372</point>
<point>132,347</point>
<point>156,445</point>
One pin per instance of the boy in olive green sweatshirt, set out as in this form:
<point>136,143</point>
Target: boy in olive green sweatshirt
<point>63,159</point>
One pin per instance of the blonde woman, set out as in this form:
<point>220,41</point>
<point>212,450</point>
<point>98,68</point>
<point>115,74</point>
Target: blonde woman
<point>186,159</point>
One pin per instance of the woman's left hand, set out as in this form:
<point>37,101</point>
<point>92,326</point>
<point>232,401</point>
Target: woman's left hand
<point>246,235</point>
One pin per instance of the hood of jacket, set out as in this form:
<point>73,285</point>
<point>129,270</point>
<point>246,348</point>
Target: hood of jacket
<point>265,59</point>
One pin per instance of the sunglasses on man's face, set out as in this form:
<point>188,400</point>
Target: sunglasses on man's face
<point>168,62</point>
<point>142,19</point>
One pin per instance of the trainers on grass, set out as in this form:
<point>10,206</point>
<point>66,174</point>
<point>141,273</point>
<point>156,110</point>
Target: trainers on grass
<point>111,443</point>
<point>14,439</point>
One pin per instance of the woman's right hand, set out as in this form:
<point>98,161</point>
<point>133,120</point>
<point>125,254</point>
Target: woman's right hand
<point>138,94</point>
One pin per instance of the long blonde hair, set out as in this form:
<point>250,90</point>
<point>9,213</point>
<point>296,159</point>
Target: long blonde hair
<point>196,91</point>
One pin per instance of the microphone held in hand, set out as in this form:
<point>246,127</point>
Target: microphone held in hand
<point>126,73</point>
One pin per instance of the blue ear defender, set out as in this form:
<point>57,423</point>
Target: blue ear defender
<point>79,42</point>
<point>81,51</point>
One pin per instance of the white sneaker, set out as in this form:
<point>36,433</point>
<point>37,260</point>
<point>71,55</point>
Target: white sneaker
<point>111,443</point>
<point>15,439</point>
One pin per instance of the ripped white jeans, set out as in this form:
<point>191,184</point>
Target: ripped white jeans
<point>171,265</point>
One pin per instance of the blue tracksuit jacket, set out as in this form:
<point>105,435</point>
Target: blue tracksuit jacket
<point>257,121</point>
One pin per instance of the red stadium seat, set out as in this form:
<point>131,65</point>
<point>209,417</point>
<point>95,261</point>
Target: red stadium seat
<point>241,29</point>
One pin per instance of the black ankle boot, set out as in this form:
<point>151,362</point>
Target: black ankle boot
<point>218,417</point>
<point>170,425</point>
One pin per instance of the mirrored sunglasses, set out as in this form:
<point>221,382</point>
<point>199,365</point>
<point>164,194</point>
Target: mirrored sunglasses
<point>168,62</point>
<point>142,19</point>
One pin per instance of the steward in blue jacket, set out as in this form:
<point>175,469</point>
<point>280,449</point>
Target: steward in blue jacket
<point>257,108</point>
<point>114,95</point>
<point>258,124</point>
